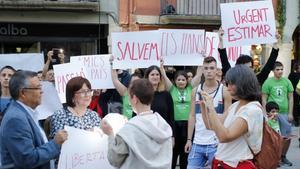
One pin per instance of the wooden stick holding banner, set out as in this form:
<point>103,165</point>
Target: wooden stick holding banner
<point>182,46</point>
<point>135,49</point>
<point>63,73</point>
<point>98,70</point>
<point>248,23</point>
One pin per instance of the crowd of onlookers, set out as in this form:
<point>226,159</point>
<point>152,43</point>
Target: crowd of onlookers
<point>213,118</point>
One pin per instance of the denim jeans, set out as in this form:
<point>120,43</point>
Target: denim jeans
<point>201,156</point>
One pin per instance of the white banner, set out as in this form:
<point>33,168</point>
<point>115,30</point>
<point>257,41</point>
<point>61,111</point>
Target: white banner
<point>50,101</point>
<point>211,49</point>
<point>24,61</point>
<point>135,49</point>
<point>84,150</point>
<point>98,70</point>
<point>63,73</point>
<point>182,46</point>
<point>248,23</point>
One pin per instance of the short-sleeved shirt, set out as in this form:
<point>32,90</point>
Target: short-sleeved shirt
<point>278,91</point>
<point>127,109</point>
<point>64,117</point>
<point>238,149</point>
<point>274,124</point>
<point>182,102</point>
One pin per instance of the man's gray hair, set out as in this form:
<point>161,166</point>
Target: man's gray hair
<point>19,80</point>
<point>247,86</point>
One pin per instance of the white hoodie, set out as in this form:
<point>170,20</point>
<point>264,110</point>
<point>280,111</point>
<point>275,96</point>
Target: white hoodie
<point>143,143</point>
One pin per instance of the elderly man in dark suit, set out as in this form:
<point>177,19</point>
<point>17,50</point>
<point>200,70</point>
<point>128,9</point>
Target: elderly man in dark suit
<point>23,142</point>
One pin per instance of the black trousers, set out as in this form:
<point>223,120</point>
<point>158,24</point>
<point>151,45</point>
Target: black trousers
<point>180,135</point>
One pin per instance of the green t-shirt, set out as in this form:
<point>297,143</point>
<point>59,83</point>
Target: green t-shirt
<point>278,91</point>
<point>182,102</point>
<point>274,124</point>
<point>127,109</point>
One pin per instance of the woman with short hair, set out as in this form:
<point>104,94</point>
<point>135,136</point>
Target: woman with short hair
<point>76,112</point>
<point>240,129</point>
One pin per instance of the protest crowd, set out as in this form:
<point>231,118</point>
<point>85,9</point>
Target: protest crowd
<point>213,116</point>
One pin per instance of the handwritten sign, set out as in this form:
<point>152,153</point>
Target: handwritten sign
<point>247,23</point>
<point>84,149</point>
<point>211,49</point>
<point>63,73</point>
<point>50,101</point>
<point>135,49</point>
<point>182,46</point>
<point>24,61</point>
<point>98,70</point>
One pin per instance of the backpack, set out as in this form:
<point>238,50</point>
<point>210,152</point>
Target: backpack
<point>271,149</point>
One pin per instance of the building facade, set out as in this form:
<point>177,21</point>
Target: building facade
<point>77,27</point>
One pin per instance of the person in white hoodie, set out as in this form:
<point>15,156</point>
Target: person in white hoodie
<point>145,142</point>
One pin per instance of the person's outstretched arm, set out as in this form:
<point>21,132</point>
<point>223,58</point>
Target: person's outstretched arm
<point>223,55</point>
<point>265,71</point>
<point>122,89</point>
<point>168,82</point>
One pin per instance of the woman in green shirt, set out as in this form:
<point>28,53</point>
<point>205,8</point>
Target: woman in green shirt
<point>181,92</point>
<point>123,91</point>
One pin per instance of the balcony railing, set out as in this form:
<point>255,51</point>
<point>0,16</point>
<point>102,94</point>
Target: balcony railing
<point>193,7</point>
<point>86,5</point>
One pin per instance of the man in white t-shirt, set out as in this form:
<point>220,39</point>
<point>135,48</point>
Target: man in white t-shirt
<point>205,142</point>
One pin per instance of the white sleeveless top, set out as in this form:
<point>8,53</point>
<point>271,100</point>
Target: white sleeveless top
<point>204,136</point>
<point>238,150</point>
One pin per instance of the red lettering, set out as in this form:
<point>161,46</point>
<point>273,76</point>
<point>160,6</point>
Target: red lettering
<point>132,52</point>
<point>237,18</point>
<point>267,29</point>
<point>140,52</point>
<point>162,45</point>
<point>120,49</point>
<point>250,16</point>
<point>146,48</point>
<point>175,44</point>
<point>127,48</point>
<point>153,46</point>
<point>191,44</point>
<point>86,61</point>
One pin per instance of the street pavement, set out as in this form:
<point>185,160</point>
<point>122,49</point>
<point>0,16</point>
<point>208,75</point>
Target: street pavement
<point>294,152</point>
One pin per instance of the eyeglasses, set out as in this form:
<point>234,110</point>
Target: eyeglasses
<point>32,88</point>
<point>85,93</point>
